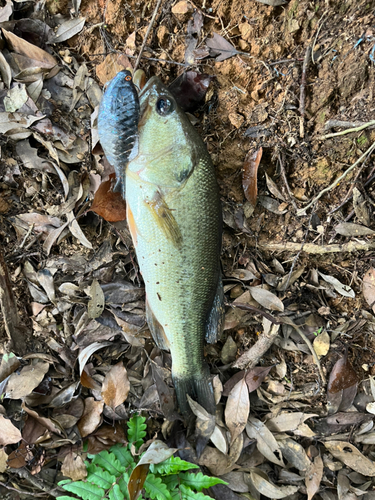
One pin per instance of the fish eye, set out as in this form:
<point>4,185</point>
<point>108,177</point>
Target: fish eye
<point>164,106</point>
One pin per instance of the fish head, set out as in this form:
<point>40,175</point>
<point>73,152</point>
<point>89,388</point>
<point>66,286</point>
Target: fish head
<point>115,101</point>
<point>169,146</point>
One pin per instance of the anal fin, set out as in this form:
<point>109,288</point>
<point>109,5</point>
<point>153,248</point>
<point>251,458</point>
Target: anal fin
<point>157,331</point>
<point>215,322</point>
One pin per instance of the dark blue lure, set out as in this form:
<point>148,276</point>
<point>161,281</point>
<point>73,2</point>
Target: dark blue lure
<point>118,124</point>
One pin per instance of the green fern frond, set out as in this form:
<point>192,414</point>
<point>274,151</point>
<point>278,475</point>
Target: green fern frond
<point>136,430</point>
<point>156,488</point>
<point>109,462</point>
<point>188,494</point>
<point>172,465</point>
<point>86,491</point>
<point>100,477</point>
<point>123,455</point>
<point>199,481</point>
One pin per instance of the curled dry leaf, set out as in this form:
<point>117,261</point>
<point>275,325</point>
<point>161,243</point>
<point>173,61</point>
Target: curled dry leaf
<point>220,48</point>
<point>342,386</point>
<point>250,175</point>
<point>87,351</point>
<point>8,365</point>
<point>68,29</point>
<point>9,434</point>
<point>237,409</point>
<point>266,298</point>
<point>253,378</point>
<point>368,288</point>
<point>116,386</point>
<point>20,46</point>
<point>91,417</point>
<point>340,288</point>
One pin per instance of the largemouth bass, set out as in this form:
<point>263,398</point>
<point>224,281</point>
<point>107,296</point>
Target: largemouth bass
<point>118,124</point>
<point>174,216</point>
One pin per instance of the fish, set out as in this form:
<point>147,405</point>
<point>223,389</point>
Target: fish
<point>175,220</point>
<point>118,124</point>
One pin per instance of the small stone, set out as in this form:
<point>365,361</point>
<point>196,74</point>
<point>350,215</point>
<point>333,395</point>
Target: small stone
<point>182,7</point>
<point>236,119</point>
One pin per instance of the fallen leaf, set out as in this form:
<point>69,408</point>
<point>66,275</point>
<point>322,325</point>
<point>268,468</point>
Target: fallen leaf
<point>9,364</point>
<point>136,481</point>
<point>20,46</point>
<point>237,409</point>
<point>116,386</point>
<point>273,188</point>
<point>220,48</point>
<point>85,354</point>
<point>272,205</point>
<point>91,417</point>
<point>344,290</point>
<point>294,453</point>
<point>342,386</point>
<point>313,477</point>
<point>250,175</point>
<point>68,29</point>
<point>3,460</point>
<point>96,304</point>
<point>9,434</point>
<point>321,344</point>
<point>22,384</point>
<point>74,467</point>
<point>351,457</point>
<point>272,3</point>
<point>266,443</point>
<point>368,288</point>
<point>288,421</point>
<point>109,204</point>
<point>219,439</point>
<point>268,489</point>
<point>266,298</point>
<point>350,229</point>
<point>15,98</point>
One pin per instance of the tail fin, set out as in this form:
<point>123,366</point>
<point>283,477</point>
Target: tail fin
<point>199,387</point>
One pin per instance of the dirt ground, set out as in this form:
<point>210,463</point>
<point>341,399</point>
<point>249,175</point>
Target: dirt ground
<point>301,75</point>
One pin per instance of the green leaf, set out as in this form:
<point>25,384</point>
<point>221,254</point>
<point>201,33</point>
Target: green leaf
<point>171,482</point>
<point>171,466</point>
<point>109,462</point>
<point>100,477</point>
<point>136,430</point>
<point>176,495</point>
<point>156,488</point>
<point>115,493</point>
<point>188,494</point>
<point>65,498</point>
<point>123,455</point>
<point>199,481</point>
<point>87,491</point>
<point>123,484</point>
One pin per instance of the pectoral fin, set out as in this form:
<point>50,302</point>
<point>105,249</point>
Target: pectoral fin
<point>215,322</point>
<point>156,329</point>
<point>165,220</point>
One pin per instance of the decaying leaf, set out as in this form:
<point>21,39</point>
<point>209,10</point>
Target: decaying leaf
<point>351,456</point>
<point>91,417</point>
<point>116,386</point>
<point>95,306</point>
<point>22,384</point>
<point>20,46</point>
<point>68,29</point>
<point>109,204</point>
<point>351,229</point>
<point>250,175</point>
<point>342,386</point>
<point>266,298</point>
<point>237,409</point>
<point>220,47</point>
<point>137,480</point>
<point>321,344</point>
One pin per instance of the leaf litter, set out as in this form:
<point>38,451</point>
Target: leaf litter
<point>277,431</point>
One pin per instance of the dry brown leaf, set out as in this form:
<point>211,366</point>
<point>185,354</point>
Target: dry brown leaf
<point>313,477</point>
<point>8,365</point>
<point>250,175</point>
<point>220,47</point>
<point>260,480</point>
<point>74,467</point>
<point>96,304</point>
<point>3,460</point>
<point>215,461</point>
<point>342,386</point>
<point>237,409</point>
<point>22,384</point>
<point>350,229</point>
<point>321,344</point>
<point>44,421</point>
<point>9,434</point>
<point>136,481</point>
<point>266,298</point>
<point>351,457</point>
<point>20,46</point>
<point>266,443</point>
<point>108,204</point>
<point>91,417</point>
<point>368,288</point>
<point>294,453</point>
<point>116,386</point>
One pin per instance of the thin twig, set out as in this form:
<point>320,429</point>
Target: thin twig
<point>302,211</point>
<point>147,34</point>
<point>319,27</point>
<point>283,174</point>
<point>339,123</point>
<point>303,92</point>
<point>248,307</point>
<point>24,492</point>
<point>348,130</point>
<point>311,248</point>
